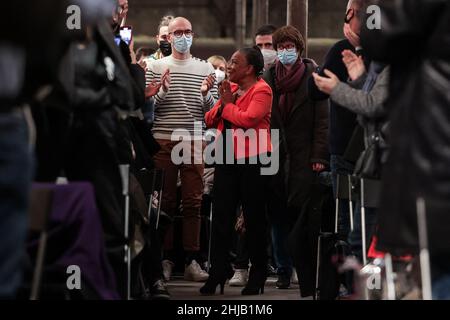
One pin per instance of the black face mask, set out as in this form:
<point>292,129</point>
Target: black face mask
<point>166,48</point>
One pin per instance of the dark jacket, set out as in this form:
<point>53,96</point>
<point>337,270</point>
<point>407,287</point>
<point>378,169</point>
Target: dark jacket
<point>342,120</point>
<point>415,40</point>
<point>305,142</point>
<point>38,44</point>
<point>368,105</point>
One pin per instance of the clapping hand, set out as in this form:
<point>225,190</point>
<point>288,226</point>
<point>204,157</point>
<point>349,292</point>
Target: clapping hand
<point>225,93</point>
<point>152,89</point>
<point>165,80</point>
<point>207,84</point>
<point>355,65</point>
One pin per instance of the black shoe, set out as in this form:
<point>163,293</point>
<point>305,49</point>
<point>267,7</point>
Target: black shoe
<point>256,281</point>
<point>209,289</point>
<point>284,281</point>
<point>159,291</point>
<point>216,279</point>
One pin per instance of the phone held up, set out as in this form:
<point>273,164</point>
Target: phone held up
<point>125,35</point>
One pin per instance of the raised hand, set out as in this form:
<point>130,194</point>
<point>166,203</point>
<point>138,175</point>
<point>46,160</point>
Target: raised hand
<point>152,89</point>
<point>225,93</point>
<point>143,64</point>
<point>165,80</point>
<point>207,84</point>
<point>351,36</point>
<point>355,65</point>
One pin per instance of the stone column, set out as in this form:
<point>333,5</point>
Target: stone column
<point>260,14</point>
<point>297,16</point>
<point>241,22</point>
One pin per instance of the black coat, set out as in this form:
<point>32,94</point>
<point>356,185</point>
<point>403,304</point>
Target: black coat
<point>306,140</point>
<point>415,40</point>
<point>342,121</point>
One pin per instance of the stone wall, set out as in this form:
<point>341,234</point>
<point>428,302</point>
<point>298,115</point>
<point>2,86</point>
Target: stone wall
<point>215,18</point>
<point>213,22</point>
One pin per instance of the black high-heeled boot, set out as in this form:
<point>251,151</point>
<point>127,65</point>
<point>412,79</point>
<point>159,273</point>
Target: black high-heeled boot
<point>256,281</point>
<point>214,280</point>
<point>209,288</point>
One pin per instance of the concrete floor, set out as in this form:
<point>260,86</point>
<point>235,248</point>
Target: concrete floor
<point>182,290</point>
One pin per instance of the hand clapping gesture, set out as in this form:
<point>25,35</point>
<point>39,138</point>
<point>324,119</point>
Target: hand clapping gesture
<point>355,65</point>
<point>165,80</point>
<point>154,86</point>
<point>207,84</point>
<point>152,89</point>
<point>225,93</point>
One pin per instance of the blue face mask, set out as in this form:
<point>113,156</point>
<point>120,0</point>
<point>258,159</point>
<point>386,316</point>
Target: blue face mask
<point>182,44</point>
<point>288,56</point>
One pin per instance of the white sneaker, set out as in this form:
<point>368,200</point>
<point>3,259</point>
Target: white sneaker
<point>239,279</point>
<point>167,267</point>
<point>294,278</point>
<point>194,272</point>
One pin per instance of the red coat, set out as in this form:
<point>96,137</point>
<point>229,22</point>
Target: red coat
<point>251,111</point>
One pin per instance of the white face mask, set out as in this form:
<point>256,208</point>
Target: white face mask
<point>270,57</point>
<point>220,76</point>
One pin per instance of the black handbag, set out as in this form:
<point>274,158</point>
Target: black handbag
<point>369,163</point>
<point>355,146</point>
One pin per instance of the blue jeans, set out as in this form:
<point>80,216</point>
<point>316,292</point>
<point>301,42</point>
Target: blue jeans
<point>148,110</point>
<point>440,272</point>
<point>15,182</point>
<point>441,287</point>
<point>340,166</point>
<point>283,261</point>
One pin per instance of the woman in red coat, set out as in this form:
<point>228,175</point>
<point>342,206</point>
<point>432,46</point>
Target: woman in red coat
<point>243,114</point>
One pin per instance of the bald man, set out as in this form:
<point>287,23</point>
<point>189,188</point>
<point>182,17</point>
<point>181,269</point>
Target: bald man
<point>188,90</point>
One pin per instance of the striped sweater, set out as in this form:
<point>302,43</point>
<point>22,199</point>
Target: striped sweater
<point>183,104</point>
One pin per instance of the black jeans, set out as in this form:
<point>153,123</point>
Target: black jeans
<point>242,260</point>
<point>236,184</point>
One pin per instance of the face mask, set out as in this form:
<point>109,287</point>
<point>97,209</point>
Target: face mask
<point>165,47</point>
<point>182,44</point>
<point>288,56</point>
<point>270,56</point>
<point>220,76</point>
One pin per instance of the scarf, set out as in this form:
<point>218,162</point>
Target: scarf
<point>287,83</point>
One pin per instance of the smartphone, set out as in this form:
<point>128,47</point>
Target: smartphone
<point>126,34</point>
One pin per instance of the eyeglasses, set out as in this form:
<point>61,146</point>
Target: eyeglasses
<point>288,46</point>
<point>179,33</point>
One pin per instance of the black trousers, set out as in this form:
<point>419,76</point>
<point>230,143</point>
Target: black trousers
<point>236,184</point>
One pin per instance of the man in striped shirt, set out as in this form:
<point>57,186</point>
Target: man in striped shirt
<point>186,89</point>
